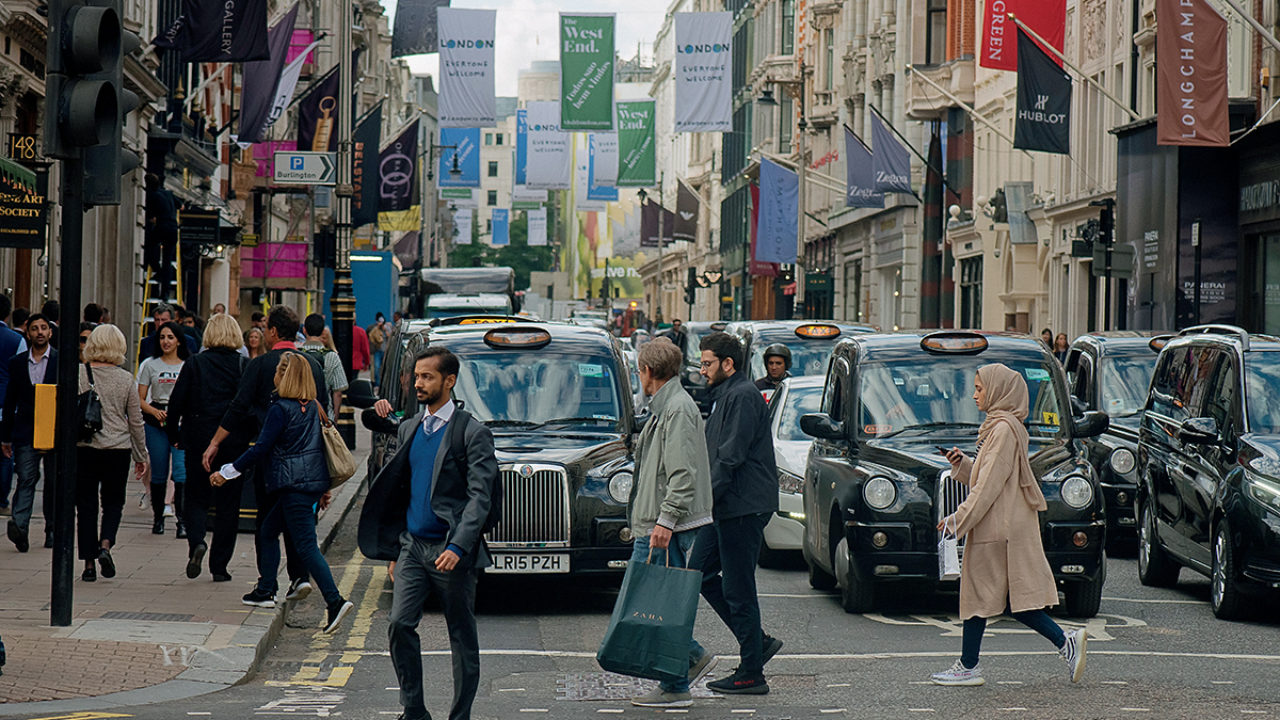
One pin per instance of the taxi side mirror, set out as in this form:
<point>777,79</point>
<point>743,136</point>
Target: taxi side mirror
<point>820,425</point>
<point>1198,431</point>
<point>360,394</point>
<point>1078,407</point>
<point>1090,424</point>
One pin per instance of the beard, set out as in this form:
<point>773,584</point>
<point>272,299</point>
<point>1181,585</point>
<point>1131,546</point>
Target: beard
<point>426,397</point>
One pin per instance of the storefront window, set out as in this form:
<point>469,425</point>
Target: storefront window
<point>1268,284</point>
<point>971,292</point>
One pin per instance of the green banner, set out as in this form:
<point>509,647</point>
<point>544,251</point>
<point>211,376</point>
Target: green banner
<point>586,72</point>
<point>636,163</point>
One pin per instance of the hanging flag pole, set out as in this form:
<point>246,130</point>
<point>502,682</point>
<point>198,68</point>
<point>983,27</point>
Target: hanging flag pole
<point>1093,83</point>
<point>1257,26</point>
<point>967,107</point>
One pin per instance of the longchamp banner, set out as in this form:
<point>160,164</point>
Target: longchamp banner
<point>704,92</point>
<point>399,207</point>
<point>586,71</point>
<point>1048,18</point>
<point>1191,75</point>
<point>636,160</point>
<point>550,156</point>
<point>467,96</point>
<point>537,227</point>
<point>464,144</point>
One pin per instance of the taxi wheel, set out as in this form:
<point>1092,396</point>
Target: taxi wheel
<point>1224,583</point>
<point>1155,567</point>
<point>819,579</point>
<point>857,593</point>
<point>1083,599</point>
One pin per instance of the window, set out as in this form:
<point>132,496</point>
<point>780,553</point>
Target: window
<point>499,139</point>
<point>1177,386</point>
<point>488,138</point>
<point>971,292</point>
<point>493,198</point>
<point>829,38</point>
<point>488,227</point>
<point>936,31</point>
<point>788,45</point>
<point>493,167</point>
<point>786,122</point>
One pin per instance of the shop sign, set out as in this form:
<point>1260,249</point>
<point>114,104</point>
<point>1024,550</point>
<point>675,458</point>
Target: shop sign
<point>198,227</point>
<point>24,215</point>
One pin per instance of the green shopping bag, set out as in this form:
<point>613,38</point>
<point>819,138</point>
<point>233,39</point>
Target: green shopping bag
<point>652,623</point>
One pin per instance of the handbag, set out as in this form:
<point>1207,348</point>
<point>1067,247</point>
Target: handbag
<point>88,409</point>
<point>652,623</point>
<point>948,554</point>
<point>336,455</point>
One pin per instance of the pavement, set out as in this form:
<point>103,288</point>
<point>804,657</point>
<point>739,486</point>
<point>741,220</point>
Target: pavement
<point>148,635</point>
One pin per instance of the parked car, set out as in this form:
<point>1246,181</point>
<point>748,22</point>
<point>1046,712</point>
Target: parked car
<point>1111,372</point>
<point>810,342</point>
<point>795,398</point>
<point>1209,465</point>
<point>876,484</point>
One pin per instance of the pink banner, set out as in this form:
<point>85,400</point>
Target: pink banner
<point>274,260</point>
<point>299,42</point>
<point>264,154</point>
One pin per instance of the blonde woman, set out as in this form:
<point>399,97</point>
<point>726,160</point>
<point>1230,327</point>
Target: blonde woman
<point>255,343</point>
<point>103,459</point>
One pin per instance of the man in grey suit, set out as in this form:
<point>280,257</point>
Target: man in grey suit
<point>426,512</point>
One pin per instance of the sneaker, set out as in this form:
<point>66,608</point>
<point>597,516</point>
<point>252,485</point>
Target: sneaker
<point>959,675</point>
<point>771,646</point>
<point>740,683</point>
<point>168,511</point>
<point>259,598</point>
<point>337,612</point>
<point>656,698</point>
<point>298,589</point>
<point>700,668</point>
<point>108,565</point>
<point>196,560</point>
<point>1073,651</point>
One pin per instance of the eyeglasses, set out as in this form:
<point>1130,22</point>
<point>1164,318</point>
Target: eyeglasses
<point>709,363</point>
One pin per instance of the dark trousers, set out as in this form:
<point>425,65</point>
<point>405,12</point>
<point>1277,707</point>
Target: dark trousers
<point>726,553</point>
<point>104,472</point>
<point>416,578</point>
<point>294,511</point>
<point>1037,620</point>
<point>226,522</point>
<point>6,480</point>
<point>265,502</point>
<point>27,461</point>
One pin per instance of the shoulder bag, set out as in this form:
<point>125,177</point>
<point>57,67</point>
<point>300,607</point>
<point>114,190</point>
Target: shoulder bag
<point>89,409</point>
<point>336,455</point>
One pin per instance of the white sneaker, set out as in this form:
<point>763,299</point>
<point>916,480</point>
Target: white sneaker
<point>958,674</point>
<point>298,590</point>
<point>168,511</point>
<point>659,699</point>
<point>1073,651</point>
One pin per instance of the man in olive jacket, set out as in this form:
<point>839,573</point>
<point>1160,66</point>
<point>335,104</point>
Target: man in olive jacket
<point>426,512</point>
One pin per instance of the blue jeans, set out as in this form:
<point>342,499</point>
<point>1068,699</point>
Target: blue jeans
<point>27,461</point>
<point>677,555</point>
<point>1037,620</point>
<point>164,457</point>
<point>296,512</point>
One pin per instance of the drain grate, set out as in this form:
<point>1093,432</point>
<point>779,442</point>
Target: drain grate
<point>586,686</point>
<point>146,616</point>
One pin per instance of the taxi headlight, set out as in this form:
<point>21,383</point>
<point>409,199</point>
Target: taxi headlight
<point>879,493</point>
<point>789,482</point>
<point>1077,491</point>
<point>1122,461</point>
<point>620,486</point>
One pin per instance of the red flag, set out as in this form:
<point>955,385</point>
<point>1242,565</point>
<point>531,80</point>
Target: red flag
<point>1048,18</point>
<point>1191,75</point>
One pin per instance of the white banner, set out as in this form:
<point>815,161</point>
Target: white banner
<point>537,226</point>
<point>460,197</point>
<point>582,187</point>
<point>704,101</point>
<point>550,155</point>
<point>288,83</point>
<point>466,68</point>
<point>462,223</point>
<point>522,193</point>
<point>604,151</point>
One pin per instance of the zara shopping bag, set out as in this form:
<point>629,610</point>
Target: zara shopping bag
<point>652,623</point>
<point>949,554</point>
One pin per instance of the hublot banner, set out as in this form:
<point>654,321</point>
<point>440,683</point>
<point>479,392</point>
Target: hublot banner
<point>1044,101</point>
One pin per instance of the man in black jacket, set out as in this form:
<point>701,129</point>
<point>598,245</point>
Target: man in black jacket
<point>38,365</point>
<point>426,513</point>
<point>744,488</point>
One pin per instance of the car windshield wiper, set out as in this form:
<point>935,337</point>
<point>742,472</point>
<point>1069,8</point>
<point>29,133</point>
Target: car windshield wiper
<point>510,423</point>
<point>928,426</point>
<point>559,421</point>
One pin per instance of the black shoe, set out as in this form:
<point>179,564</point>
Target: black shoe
<point>48,540</point>
<point>771,646</point>
<point>337,612</point>
<point>407,715</point>
<point>108,565</point>
<point>193,562</point>
<point>221,577</point>
<point>182,531</point>
<point>157,528</point>
<point>89,575</point>
<point>740,683</point>
<point>259,598</point>
<point>18,537</point>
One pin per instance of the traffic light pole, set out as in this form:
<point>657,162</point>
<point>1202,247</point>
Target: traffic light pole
<point>343,302</point>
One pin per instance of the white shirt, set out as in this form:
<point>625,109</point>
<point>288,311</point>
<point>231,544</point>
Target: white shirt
<point>442,416</point>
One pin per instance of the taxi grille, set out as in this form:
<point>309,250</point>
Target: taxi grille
<point>949,495</point>
<point>535,509</point>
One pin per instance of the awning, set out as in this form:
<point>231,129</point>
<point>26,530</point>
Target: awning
<point>18,175</point>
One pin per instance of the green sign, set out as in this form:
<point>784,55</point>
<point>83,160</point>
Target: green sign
<point>525,205</point>
<point>586,72</point>
<point>636,163</point>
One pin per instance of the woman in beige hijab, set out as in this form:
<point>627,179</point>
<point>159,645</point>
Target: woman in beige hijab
<point>1004,564</point>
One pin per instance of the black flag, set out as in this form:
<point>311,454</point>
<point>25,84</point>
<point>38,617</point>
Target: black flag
<point>687,206</point>
<point>225,31</point>
<point>650,225</point>
<point>364,171</point>
<point>260,80</point>
<point>1044,101</point>
<point>318,115</point>
<point>398,175</point>
<point>415,29</point>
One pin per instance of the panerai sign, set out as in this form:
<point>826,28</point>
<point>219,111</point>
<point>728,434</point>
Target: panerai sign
<point>1260,196</point>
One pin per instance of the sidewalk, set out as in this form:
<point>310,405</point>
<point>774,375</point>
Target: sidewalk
<point>147,635</point>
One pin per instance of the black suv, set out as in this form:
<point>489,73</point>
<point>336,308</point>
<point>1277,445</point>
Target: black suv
<point>558,400</point>
<point>1209,465</point>
<point>876,485</point>
<point>810,342</point>
<point>1111,372</point>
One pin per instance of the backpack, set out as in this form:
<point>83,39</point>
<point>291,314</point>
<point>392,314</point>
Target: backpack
<point>495,490</point>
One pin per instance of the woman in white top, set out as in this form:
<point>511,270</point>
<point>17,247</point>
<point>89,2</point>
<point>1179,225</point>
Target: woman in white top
<point>157,377</point>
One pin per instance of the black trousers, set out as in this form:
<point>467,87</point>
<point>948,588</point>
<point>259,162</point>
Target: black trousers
<point>726,553</point>
<point>105,472</point>
<point>416,578</point>
<point>200,495</point>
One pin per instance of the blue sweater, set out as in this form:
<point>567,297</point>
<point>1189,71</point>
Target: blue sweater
<point>422,520</point>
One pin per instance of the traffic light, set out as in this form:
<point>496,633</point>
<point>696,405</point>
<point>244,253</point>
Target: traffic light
<point>691,287</point>
<point>604,291</point>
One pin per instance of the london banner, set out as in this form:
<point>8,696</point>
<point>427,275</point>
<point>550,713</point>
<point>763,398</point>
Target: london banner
<point>398,195</point>
<point>522,145</point>
<point>462,226</point>
<point>1191,75</point>
<point>586,72</point>
<point>636,159</point>
<point>1043,119</point>
<point>537,227</point>
<point>704,92</point>
<point>466,68</point>
<point>549,155</point>
<point>604,158</point>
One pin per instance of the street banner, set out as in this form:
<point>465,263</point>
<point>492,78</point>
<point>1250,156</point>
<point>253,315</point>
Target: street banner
<point>464,144</point>
<point>586,71</point>
<point>596,190</point>
<point>463,226</point>
<point>779,205</point>
<point>650,224</point>
<point>459,197</point>
<point>604,158</point>
<point>398,201</point>
<point>537,225</point>
<point>890,161</point>
<point>318,115</point>
<point>364,168</point>
<point>1048,18</point>
<point>466,68</point>
<point>415,29</point>
<point>636,160</point>
<point>258,97</point>
<point>668,227</point>
<point>523,197</point>
<point>224,31</point>
<point>704,89</point>
<point>522,146</point>
<point>860,178</point>
<point>549,163</point>
<point>688,204</point>
<point>582,200</point>
<point>500,220</point>
<point>174,36</point>
<point>1043,119</point>
<point>285,88</point>
<point>755,267</point>
<point>1191,75</point>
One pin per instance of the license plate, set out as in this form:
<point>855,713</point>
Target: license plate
<point>531,563</point>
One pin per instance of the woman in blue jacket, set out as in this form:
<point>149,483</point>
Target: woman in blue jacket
<point>299,475</point>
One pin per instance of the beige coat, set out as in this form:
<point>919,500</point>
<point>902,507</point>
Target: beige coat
<point>1004,562</point>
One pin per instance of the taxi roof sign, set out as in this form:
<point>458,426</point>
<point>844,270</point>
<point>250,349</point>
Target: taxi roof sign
<point>953,343</point>
<point>1158,342</point>
<point>517,337</point>
<point>817,331</point>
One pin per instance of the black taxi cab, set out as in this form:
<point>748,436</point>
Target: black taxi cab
<point>1110,372</point>
<point>810,342</point>
<point>876,483</point>
<point>558,400</point>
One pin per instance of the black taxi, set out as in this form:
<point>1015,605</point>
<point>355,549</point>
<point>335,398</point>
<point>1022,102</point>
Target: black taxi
<point>1110,372</point>
<point>558,400</point>
<point>810,342</point>
<point>876,484</point>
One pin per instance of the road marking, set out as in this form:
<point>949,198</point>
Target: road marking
<point>363,623</point>
<point>1014,709</point>
<point>83,716</point>
<point>1223,682</point>
<point>1115,682</point>
<point>832,711</point>
<point>921,710</point>
<point>840,685</point>
<point>872,655</point>
<point>199,713</point>
<point>396,689</point>
<point>507,689</point>
<point>793,595</point>
<point>1099,627</point>
<point>610,711</point>
<point>1156,601</point>
<point>1008,682</point>
<point>534,710</point>
<point>1134,709</point>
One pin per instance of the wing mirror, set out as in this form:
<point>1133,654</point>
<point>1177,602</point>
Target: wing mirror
<point>1090,424</point>
<point>360,394</point>
<point>1078,407</point>
<point>1198,431</point>
<point>820,425</point>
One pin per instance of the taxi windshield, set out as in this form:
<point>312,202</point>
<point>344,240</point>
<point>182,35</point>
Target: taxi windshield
<point>933,392</point>
<point>1262,377</point>
<point>1124,380</point>
<point>808,355</point>
<point>799,401</point>
<point>533,388</point>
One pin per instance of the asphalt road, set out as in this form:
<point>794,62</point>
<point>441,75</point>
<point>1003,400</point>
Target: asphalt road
<point>1153,653</point>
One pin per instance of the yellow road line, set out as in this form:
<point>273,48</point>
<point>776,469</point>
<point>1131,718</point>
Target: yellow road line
<point>363,623</point>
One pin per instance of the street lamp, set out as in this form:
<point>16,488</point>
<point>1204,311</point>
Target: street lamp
<point>455,171</point>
